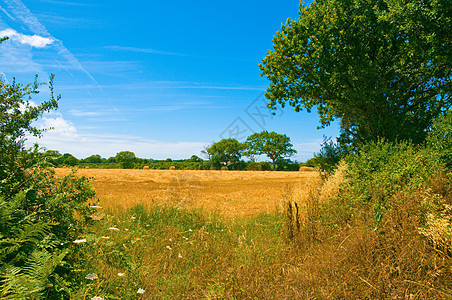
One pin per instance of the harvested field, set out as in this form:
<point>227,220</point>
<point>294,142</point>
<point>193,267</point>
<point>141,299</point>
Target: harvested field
<point>232,193</point>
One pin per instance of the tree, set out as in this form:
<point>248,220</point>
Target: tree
<point>94,159</point>
<point>68,159</point>
<point>195,158</point>
<point>126,159</point>
<point>382,67</point>
<point>40,213</point>
<point>225,151</point>
<point>330,154</point>
<point>276,146</point>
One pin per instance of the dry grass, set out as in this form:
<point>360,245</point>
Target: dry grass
<point>232,193</point>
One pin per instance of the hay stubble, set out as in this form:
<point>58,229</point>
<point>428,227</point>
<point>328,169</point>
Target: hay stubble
<point>232,193</point>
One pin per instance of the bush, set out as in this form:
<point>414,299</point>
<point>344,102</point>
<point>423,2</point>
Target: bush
<point>40,215</point>
<point>380,227</point>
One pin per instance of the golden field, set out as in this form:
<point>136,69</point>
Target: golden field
<point>231,193</point>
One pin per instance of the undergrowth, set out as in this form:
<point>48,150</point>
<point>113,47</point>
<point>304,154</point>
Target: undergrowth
<point>379,228</point>
<point>173,253</point>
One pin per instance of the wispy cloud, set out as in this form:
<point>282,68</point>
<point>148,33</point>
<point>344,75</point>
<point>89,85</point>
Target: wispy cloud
<point>31,40</point>
<point>21,12</point>
<point>69,3</point>
<point>6,13</point>
<point>161,52</point>
<point>69,22</point>
<point>18,10</point>
<point>83,145</point>
<point>172,85</point>
<point>145,50</point>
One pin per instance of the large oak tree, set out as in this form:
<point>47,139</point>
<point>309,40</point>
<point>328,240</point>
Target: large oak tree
<point>382,67</point>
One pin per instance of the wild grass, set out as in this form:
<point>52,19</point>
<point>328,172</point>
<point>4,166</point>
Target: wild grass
<point>374,229</point>
<point>175,253</point>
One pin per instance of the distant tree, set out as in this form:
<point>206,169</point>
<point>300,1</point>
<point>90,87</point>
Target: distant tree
<point>251,149</point>
<point>276,146</point>
<point>224,151</point>
<point>382,67</point>
<point>330,154</point>
<point>126,159</point>
<point>93,159</point>
<point>195,158</point>
<point>53,157</point>
<point>68,159</point>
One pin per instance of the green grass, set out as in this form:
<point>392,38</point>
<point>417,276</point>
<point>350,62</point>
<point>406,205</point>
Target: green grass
<point>181,254</point>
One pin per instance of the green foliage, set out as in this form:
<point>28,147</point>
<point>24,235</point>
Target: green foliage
<point>40,215</point>
<point>276,146</point>
<point>225,152</point>
<point>330,155</point>
<point>93,159</point>
<point>440,138</point>
<point>381,67</point>
<point>126,159</point>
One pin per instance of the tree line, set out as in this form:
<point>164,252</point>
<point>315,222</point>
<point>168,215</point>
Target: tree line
<point>226,153</point>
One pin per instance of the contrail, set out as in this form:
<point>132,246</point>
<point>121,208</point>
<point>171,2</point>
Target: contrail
<point>20,11</point>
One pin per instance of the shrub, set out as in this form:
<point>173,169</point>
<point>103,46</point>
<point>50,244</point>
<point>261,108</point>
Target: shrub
<point>380,227</point>
<point>40,215</point>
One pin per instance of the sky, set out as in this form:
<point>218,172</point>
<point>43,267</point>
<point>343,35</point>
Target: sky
<point>163,79</point>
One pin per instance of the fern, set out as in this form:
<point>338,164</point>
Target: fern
<point>30,281</point>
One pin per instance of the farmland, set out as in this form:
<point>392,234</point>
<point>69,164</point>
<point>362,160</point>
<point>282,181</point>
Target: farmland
<point>231,193</point>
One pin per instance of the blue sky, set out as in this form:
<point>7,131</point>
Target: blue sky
<point>159,78</point>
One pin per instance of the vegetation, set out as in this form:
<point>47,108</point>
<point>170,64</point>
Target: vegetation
<point>378,227</point>
<point>225,152</point>
<point>381,67</point>
<point>385,218</point>
<point>126,159</point>
<point>276,146</point>
<point>40,215</point>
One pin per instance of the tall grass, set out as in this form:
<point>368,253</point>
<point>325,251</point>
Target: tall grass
<point>379,228</point>
<point>175,253</point>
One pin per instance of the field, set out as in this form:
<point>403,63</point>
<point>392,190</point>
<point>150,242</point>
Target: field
<point>231,193</point>
<point>175,234</point>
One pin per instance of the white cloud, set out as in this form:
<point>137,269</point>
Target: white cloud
<point>60,128</point>
<point>31,40</point>
<point>65,138</point>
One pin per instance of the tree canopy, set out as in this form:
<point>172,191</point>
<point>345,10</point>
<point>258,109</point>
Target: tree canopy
<point>126,159</point>
<point>275,145</point>
<point>224,151</point>
<point>382,67</point>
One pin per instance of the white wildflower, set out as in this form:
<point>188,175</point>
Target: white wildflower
<point>168,247</point>
<point>95,206</point>
<point>140,291</point>
<point>91,276</point>
<point>113,228</point>
<point>79,241</point>
<point>121,274</point>
<point>106,237</point>
<point>97,298</point>
<point>190,230</point>
<point>180,255</point>
<point>133,218</point>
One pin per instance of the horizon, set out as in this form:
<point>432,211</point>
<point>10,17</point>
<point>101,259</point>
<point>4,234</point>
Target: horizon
<point>162,80</point>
